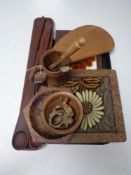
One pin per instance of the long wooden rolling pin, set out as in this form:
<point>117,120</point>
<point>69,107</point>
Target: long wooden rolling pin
<point>76,45</point>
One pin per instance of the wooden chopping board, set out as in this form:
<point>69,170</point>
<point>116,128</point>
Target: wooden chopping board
<point>98,41</point>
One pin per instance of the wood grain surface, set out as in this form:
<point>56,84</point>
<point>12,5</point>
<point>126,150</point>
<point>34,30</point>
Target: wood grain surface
<point>42,40</point>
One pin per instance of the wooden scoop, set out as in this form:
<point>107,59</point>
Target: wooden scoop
<point>76,45</point>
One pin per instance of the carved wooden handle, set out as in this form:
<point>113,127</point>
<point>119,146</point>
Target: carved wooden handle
<point>76,45</point>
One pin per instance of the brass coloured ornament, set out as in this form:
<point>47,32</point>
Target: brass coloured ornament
<point>86,82</point>
<point>61,115</point>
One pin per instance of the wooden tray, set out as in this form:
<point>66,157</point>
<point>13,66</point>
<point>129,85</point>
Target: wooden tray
<point>42,40</point>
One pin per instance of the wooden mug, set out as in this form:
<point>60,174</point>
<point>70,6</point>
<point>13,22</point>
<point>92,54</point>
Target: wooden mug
<point>52,60</point>
<point>54,77</point>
